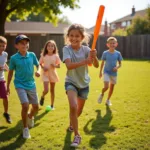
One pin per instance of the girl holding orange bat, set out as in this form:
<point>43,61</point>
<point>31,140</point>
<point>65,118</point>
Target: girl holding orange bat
<point>77,57</point>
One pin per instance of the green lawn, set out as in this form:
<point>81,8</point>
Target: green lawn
<point>123,126</point>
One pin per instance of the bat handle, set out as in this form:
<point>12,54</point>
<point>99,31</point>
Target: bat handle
<point>89,65</point>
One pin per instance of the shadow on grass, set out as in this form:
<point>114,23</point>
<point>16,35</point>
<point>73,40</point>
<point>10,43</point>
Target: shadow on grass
<point>67,141</point>
<point>15,133</point>
<point>99,127</point>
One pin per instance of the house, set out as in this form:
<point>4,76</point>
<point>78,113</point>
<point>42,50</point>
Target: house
<point>126,21</point>
<point>39,28</point>
<point>38,32</point>
<point>33,28</point>
<point>104,31</point>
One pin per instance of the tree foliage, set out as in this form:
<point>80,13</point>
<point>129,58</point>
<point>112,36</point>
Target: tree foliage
<point>120,32</point>
<point>140,25</point>
<point>51,9</point>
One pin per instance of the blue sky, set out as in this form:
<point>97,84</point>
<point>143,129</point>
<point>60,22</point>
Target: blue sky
<point>114,9</point>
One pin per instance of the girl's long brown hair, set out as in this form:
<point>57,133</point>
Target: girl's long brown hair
<point>45,47</point>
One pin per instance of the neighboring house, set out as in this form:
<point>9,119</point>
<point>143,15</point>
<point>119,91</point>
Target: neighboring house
<point>104,30</point>
<point>39,33</point>
<point>39,28</point>
<point>33,28</point>
<point>127,20</point>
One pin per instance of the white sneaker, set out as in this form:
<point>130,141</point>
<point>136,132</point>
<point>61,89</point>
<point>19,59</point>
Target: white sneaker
<point>26,133</point>
<point>100,98</point>
<point>76,141</point>
<point>30,122</point>
<point>108,102</point>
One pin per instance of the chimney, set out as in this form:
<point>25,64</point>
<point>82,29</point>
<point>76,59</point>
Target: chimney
<point>133,11</point>
<point>105,29</point>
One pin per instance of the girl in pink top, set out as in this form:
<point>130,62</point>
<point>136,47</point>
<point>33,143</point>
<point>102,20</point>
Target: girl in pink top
<point>49,61</point>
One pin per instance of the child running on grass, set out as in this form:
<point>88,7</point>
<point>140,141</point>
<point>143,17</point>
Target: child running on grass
<point>77,57</point>
<point>49,61</point>
<point>3,67</point>
<point>23,64</point>
<point>109,58</point>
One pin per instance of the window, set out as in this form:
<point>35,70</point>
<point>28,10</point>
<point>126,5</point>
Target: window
<point>123,24</point>
<point>113,26</point>
<point>128,23</point>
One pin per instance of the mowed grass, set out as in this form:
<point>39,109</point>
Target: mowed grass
<point>123,126</point>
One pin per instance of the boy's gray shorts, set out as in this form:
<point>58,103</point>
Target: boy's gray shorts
<point>27,96</point>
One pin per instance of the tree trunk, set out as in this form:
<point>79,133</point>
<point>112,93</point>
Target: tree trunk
<point>3,15</point>
<point>2,26</point>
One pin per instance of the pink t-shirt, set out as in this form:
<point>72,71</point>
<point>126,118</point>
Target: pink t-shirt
<point>50,75</point>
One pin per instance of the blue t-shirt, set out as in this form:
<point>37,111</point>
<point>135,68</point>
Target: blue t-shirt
<point>111,61</point>
<point>78,76</point>
<point>24,70</point>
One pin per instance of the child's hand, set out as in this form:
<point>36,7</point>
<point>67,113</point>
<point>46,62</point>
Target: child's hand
<point>1,68</point>
<point>88,60</point>
<point>115,69</point>
<point>54,65</point>
<point>37,74</point>
<point>45,69</point>
<point>100,75</point>
<point>8,90</point>
<point>93,53</point>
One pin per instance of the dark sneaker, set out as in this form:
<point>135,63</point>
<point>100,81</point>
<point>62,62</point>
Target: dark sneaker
<point>42,101</point>
<point>7,117</point>
<point>76,141</point>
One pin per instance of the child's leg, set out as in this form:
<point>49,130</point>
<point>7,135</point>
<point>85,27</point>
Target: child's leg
<point>33,111</point>
<point>52,91</point>
<point>111,89</point>
<point>24,114</point>
<point>105,88</point>
<point>80,106</point>
<point>45,84</point>
<point>72,97</point>
<point>5,104</point>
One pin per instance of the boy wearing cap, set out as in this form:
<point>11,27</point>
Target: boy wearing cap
<point>23,64</point>
<point>3,67</point>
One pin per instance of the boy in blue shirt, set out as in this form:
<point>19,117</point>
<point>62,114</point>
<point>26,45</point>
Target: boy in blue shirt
<point>23,64</point>
<point>109,58</point>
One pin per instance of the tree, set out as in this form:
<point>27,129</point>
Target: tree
<point>40,18</point>
<point>23,8</point>
<point>140,25</point>
<point>120,32</point>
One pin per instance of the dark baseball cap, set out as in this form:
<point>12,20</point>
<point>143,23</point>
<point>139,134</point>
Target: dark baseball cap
<point>21,37</point>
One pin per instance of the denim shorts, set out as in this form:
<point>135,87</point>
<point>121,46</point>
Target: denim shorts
<point>82,93</point>
<point>27,96</point>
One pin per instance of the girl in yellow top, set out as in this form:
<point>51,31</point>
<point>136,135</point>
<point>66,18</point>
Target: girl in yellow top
<point>49,61</point>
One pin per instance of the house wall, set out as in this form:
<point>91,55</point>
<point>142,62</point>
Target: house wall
<point>136,46</point>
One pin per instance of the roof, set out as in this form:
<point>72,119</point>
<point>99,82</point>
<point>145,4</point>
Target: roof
<point>34,28</point>
<point>91,30</point>
<point>39,28</point>
<point>130,16</point>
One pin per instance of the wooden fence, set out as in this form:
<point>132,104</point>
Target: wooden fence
<point>136,46</point>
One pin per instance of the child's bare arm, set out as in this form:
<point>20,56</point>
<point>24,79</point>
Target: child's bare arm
<point>37,73</point>
<point>101,68</point>
<point>9,78</point>
<point>6,67</point>
<point>117,67</point>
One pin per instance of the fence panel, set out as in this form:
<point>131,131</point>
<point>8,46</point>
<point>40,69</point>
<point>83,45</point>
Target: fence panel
<point>135,46</point>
